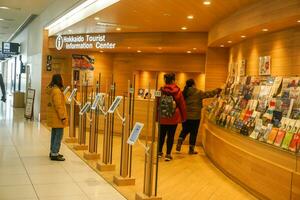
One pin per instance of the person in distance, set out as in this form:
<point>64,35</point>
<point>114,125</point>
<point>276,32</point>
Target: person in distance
<point>193,98</point>
<point>2,86</point>
<point>171,111</point>
<point>57,117</point>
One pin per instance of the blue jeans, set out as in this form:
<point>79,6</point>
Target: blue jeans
<point>56,137</point>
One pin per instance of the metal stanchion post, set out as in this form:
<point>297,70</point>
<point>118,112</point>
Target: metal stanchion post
<point>151,178</point>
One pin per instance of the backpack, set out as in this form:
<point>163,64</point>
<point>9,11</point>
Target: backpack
<point>167,105</point>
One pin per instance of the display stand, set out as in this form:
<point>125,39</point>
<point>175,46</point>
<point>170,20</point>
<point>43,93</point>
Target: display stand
<point>82,118</point>
<point>151,167</point>
<point>125,176</point>
<point>106,163</point>
<point>93,154</point>
<point>29,108</point>
<point>72,124</point>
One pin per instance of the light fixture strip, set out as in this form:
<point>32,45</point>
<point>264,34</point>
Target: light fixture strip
<point>78,13</point>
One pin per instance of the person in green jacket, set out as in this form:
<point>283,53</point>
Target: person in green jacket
<point>193,99</point>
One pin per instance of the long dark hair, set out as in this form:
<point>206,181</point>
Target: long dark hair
<point>189,83</point>
<point>57,80</point>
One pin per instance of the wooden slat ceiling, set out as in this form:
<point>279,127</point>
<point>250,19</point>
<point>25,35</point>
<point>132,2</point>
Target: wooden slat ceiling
<point>158,16</point>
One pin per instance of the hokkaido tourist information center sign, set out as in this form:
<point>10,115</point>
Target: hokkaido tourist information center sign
<point>83,42</point>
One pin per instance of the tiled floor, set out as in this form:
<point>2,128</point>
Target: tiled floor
<point>26,173</point>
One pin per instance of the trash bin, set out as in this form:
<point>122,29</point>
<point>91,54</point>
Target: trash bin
<point>19,99</point>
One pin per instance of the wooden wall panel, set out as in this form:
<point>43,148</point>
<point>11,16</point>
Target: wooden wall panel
<point>125,65</point>
<point>250,20</point>
<point>216,67</point>
<point>282,46</point>
<point>258,167</point>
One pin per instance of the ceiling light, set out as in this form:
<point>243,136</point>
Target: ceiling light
<point>189,52</point>
<point>70,30</point>
<point>80,12</point>
<point>243,36</point>
<point>222,45</point>
<point>194,48</point>
<point>128,47</point>
<point>206,2</point>
<point>229,41</point>
<point>139,51</point>
<point>298,21</point>
<point>118,29</point>
<point>183,28</point>
<point>265,30</point>
<point>160,48</point>
<point>190,17</point>
<point>96,18</point>
<point>4,8</point>
<point>101,51</point>
<point>1,19</point>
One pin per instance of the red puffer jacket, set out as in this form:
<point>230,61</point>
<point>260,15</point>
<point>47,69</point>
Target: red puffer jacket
<point>180,113</point>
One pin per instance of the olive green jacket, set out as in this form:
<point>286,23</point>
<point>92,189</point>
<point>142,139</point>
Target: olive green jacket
<point>193,101</point>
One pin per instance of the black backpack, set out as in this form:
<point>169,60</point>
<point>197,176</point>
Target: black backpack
<point>167,105</point>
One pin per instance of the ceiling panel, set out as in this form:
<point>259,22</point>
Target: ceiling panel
<point>158,16</point>
<point>17,14</point>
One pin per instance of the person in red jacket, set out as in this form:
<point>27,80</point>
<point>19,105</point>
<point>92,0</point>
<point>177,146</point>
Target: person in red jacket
<point>168,123</point>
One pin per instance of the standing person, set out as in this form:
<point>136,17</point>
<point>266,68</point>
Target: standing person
<point>57,117</point>
<point>193,98</point>
<point>172,111</point>
<point>2,86</point>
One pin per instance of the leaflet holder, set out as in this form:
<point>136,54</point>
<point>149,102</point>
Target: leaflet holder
<point>71,100</point>
<point>151,159</point>
<point>92,153</point>
<point>107,153</point>
<point>124,177</point>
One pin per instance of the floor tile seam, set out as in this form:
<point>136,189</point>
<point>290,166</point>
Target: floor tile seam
<point>23,164</point>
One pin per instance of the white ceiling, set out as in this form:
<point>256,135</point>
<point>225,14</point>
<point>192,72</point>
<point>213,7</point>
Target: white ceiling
<point>19,11</point>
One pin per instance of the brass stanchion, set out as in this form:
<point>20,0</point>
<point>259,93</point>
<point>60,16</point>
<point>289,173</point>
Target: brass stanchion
<point>72,116</point>
<point>125,178</point>
<point>107,163</point>
<point>92,153</point>
<point>151,167</point>
<point>82,118</point>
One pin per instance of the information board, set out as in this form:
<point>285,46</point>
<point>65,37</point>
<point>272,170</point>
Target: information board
<point>29,104</point>
<point>115,104</point>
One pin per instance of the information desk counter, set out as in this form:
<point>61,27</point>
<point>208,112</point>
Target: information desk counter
<point>268,172</point>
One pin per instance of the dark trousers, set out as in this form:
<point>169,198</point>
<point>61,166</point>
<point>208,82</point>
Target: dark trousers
<point>190,126</point>
<point>2,87</point>
<point>56,137</point>
<point>169,131</point>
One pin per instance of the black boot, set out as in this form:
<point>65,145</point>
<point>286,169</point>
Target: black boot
<point>192,150</point>
<point>179,144</point>
<point>57,158</point>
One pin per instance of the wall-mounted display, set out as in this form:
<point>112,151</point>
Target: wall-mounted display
<point>259,108</point>
<point>265,65</point>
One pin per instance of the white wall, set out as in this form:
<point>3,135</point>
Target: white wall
<point>31,39</point>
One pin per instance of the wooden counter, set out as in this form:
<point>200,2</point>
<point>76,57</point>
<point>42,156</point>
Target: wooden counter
<point>265,170</point>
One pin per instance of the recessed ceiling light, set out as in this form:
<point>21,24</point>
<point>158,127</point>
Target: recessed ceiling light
<point>229,41</point>
<point>96,18</point>
<point>160,48</point>
<point>243,36</point>
<point>1,19</point>
<point>70,30</point>
<point>128,47</point>
<point>190,17</point>
<point>222,45</point>
<point>265,30</point>
<point>194,48</point>
<point>206,2</point>
<point>183,28</point>
<point>298,21</point>
<point>101,51</point>
<point>118,29</point>
<point>139,51</point>
<point>189,52</point>
<point>4,8</point>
